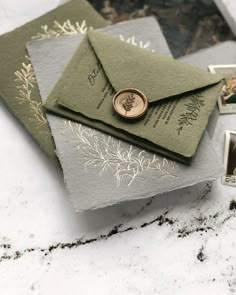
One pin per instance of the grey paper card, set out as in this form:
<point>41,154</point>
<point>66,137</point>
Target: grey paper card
<point>224,53</point>
<point>100,170</point>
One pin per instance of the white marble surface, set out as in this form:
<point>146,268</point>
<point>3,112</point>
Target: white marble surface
<point>179,243</point>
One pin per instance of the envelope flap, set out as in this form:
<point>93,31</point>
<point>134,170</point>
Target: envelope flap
<point>157,76</point>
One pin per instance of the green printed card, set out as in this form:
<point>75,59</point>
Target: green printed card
<point>181,97</point>
<point>18,85</point>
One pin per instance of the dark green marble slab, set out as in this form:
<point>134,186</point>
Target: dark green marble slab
<point>188,25</point>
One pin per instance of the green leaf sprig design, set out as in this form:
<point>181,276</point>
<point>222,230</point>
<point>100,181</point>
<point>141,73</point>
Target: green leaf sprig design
<point>193,109</point>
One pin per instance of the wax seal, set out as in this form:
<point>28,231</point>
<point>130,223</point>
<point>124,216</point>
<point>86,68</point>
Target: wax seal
<point>130,103</point>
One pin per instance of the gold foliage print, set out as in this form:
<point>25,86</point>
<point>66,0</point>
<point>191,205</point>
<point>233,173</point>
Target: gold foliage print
<point>25,77</point>
<point>132,40</point>
<point>26,81</point>
<point>109,155</point>
<point>65,29</point>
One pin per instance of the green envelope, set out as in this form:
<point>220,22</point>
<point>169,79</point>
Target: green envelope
<point>18,86</point>
<point>181,97</point>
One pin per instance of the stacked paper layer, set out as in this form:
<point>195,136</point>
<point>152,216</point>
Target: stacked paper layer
<point>102,165</point>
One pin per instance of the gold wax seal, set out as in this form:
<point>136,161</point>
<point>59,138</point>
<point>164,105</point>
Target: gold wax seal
<point>130,103</point>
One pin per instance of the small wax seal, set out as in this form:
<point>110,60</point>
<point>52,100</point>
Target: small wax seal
<point>130,103</point>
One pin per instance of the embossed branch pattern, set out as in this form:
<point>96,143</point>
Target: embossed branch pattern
<point>26,81</point>
<point>132,40</point>
<point>193,109</point>
<point>109,156</point>
<point>128,104</point>
<point>65,29</point>
<point>25,77</point>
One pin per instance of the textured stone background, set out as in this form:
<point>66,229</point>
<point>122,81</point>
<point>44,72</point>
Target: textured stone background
<point>187,24</point>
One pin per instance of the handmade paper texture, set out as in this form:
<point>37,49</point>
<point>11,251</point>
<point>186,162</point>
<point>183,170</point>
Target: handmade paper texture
<point>215,55</point>
<point>175,115</point>
<point>99,169</point>
<point>18,86</point>
<point>53,106</point>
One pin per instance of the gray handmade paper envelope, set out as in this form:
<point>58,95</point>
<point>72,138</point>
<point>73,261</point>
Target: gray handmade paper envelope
<point>100,170</point>
<point>223,53</point>
<point>181,97</point>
